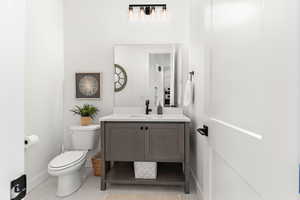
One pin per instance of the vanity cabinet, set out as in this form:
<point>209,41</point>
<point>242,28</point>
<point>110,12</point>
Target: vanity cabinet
<point>167,143</point>
<point>144,142</point>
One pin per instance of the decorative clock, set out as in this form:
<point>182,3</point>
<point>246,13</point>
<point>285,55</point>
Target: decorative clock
<point>120,78</point>
<point>88,85</point>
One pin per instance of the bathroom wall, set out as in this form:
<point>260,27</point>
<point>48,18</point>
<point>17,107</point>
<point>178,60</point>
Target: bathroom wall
<point>93,27</point>
<point>12,59</point>
<point>43,86</point>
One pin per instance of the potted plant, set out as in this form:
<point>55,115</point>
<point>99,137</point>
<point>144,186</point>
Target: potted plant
<point>87,113</point>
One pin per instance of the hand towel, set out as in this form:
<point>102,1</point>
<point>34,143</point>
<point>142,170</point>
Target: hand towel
<point>188,93</point>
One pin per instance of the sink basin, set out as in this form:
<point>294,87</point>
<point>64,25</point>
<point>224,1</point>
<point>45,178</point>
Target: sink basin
<point>142,116</point>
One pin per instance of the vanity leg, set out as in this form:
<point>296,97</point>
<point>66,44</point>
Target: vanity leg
<point>186,189</point>
<point>187,171</point>
<point>104,165</point>
<point>105,169</point>
<point>103,185</point>
<point>187,186</point>
<point>187,174</point>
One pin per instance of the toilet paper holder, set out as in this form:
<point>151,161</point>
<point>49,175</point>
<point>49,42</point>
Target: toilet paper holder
<point>30,140</point>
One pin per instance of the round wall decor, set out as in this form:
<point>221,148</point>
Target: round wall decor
<point>120,78</point>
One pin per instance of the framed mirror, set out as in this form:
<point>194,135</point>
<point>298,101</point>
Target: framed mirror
<point>147,72</point>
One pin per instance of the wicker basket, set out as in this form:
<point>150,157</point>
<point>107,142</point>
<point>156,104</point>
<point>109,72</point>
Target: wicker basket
<point>97,164</point>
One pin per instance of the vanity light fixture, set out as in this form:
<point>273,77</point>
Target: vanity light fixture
<point>144,10</point>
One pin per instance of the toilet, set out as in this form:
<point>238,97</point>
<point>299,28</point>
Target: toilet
<point>67,165</point>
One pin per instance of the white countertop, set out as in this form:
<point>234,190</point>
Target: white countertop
<point>145,118</point>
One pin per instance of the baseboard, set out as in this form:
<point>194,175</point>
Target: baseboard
<point>198,190</point>
<point>37,180</point>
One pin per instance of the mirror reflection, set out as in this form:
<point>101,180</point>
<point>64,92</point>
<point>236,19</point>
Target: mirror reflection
<point>147,72</point>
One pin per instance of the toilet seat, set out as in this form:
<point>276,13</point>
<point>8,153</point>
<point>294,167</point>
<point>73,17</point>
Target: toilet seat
<point>67,159</point>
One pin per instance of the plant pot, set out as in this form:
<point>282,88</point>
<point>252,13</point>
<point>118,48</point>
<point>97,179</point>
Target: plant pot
<point>85,121</point>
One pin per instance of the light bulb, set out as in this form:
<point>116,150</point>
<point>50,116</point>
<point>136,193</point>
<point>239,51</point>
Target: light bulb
<point>153,12</point>
<point>164,11</point>
<point>142,12</point>
<point>131,14</point>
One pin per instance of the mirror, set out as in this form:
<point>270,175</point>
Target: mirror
<point>147,72</point>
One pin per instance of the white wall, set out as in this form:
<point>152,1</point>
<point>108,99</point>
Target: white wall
<point>93,27</point>
<point>12,59</point>
<point>43,86</point>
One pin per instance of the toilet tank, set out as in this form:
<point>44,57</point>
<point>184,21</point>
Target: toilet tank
<point>85,137</point>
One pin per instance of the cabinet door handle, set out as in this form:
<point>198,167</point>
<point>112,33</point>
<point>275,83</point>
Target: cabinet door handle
<point>142,128</point>
<point>146,127</point>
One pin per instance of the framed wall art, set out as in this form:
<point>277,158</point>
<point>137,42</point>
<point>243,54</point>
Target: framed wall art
<point>88,85</point>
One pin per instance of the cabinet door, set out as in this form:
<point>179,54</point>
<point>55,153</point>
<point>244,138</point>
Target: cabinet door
<point>165,142</point>
<point>124,142</point>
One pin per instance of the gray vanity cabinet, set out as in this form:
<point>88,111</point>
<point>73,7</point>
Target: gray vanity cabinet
<point>164,142</point>
<point>145,142</point>
<point>167,143</point>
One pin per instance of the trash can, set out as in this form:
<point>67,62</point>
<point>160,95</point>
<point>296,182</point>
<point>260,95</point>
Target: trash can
<point>97,164</point>
<point>145,170</point>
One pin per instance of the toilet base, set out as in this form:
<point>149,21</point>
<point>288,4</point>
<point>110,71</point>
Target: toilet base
<point>68,184</point>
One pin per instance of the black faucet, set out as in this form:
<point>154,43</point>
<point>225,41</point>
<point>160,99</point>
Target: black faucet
<point>147,107</point>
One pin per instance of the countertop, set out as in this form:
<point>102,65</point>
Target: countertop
<point>145,118</point>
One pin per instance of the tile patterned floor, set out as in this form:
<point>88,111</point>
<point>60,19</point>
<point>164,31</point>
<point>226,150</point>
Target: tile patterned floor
<point>90,191</point>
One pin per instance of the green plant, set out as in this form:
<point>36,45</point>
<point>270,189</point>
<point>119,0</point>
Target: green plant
<point>85,111</point>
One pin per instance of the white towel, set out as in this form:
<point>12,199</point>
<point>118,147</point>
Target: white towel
<point>188,93</point>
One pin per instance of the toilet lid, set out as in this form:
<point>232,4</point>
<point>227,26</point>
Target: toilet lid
<point>67,158</point>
